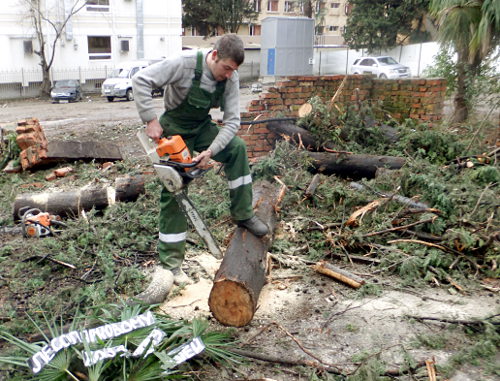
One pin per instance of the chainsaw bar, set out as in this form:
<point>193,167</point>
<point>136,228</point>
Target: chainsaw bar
<point>198,223</point>
<point>172,180</point>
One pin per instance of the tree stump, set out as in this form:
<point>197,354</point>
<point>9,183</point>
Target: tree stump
<point>242,274</point>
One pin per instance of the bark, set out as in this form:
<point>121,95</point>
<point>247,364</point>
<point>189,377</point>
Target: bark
<point>242,274</point>
<point>461,111</point>
<point>298,135</point>
<point>72,202</point>
<point>353,166</point>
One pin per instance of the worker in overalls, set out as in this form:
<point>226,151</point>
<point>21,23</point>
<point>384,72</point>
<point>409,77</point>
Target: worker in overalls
<point>195,82</point>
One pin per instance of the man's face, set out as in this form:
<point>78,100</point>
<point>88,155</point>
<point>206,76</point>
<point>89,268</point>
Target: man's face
<point>222,68</point>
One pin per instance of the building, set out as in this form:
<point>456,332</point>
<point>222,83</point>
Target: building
<point>330,20</point>
<point>100,35</point>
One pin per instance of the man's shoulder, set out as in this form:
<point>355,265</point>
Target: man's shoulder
<point>235,77</point>
<point>189,57</point>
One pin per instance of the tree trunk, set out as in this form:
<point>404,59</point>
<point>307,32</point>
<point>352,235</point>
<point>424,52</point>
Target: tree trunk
<point>461,111</point>
<point>353,166</point>
<point>242,274</point>
<point>72,202</point>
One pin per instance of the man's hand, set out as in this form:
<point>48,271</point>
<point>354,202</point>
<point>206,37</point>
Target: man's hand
<point>154,130</point>
<point>203,158</point>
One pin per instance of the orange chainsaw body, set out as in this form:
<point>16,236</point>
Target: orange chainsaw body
<point>175,147</point>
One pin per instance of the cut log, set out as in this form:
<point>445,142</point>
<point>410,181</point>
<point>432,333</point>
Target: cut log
<point>339,274</point>
<point>242,273</point>
<point>91,197</point>
<point>352,166</point>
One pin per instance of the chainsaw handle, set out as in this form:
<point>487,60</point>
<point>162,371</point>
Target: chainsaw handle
<point>179,165</point>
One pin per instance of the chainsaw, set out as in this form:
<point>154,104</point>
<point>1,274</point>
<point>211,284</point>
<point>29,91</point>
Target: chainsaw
<point>174,166</point>
<point>34,223</point>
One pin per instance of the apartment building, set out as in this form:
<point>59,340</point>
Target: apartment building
<point>330,19</point>
<point>102,32</point>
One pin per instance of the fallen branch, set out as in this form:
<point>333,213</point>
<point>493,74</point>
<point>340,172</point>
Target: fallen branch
<point>286,360</point>
<point>404,227</point>
<point>401,199</point>
<point>311,188</point>
<point>478,324</point>
<point>353,218</point>
<point>356,258</point>
<point>48,258</point>
<point>339,274</point>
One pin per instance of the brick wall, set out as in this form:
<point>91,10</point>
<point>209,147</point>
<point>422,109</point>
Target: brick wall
<point>405,98</point>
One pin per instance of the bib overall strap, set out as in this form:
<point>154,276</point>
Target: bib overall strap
<point>198,71</point>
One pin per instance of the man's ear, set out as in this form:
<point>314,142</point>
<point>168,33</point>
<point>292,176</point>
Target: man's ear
<point>214,55</point>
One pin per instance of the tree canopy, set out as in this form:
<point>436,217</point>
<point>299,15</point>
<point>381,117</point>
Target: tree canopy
<point>473,29</point>
<point>380,24</point>
<point>209,15</point>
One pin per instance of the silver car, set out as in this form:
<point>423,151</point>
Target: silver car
<point>380,67</point>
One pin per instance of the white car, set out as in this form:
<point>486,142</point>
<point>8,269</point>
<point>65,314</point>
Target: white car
<point>380,67</point>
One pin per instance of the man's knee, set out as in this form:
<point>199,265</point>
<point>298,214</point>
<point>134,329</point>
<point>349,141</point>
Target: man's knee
<point>237,144</point>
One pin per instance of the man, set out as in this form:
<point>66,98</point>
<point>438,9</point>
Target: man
<point>195,82</point>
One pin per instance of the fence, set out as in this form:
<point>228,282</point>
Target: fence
<point>25,83</point>
<point>417,57</point>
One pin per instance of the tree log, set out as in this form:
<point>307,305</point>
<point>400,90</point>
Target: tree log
<point>352,166</point>
<point>72,202</point>
<point>297,135</point>
<point>310,142</point>
<point>242,273</point>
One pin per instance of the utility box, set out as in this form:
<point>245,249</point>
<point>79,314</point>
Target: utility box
<point>287,46</point>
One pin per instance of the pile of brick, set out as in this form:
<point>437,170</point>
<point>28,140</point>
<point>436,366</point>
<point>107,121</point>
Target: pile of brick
<point>32,142</point>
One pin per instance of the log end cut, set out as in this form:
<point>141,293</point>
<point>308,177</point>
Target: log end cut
<point>231,303</point>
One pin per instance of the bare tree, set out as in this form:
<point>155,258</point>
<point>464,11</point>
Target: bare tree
<point>42,17</point>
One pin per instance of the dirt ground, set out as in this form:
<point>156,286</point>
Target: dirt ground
<point>301,314</point>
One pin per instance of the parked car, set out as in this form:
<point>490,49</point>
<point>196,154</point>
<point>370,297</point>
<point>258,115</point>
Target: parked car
<point>380,67</point>
<point>66,90</point>
<point>119,83</point>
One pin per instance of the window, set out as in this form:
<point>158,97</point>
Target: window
<point>257,5</point>
<point>124,45</point>
<point>333,28</point>
<point>98,5</point>
<point>99,47</point>
<point>255,30</point>
<point>334,5</point>
<point>367,62</point>
<point>28,47</point>
<point>272,6</point>
<point>319,6</point>
<point>288,6</point>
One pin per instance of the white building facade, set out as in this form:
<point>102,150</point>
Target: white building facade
<point>102,34</point>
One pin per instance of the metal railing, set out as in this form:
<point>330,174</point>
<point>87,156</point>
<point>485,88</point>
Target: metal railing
<point>26,82</point>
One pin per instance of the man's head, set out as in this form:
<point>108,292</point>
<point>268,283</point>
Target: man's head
<point>228,54</point>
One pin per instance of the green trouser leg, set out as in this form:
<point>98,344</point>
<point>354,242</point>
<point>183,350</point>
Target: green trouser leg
<point>173,223</point>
